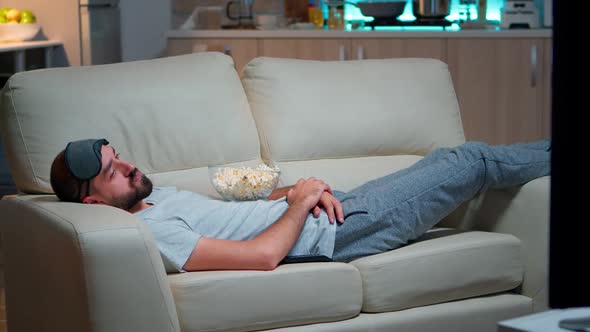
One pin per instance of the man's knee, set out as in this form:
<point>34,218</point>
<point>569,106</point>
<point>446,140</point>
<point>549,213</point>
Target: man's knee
<point>473,150</point>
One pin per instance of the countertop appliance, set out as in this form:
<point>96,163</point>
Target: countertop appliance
<point>431,13</point>
<point>241,13</point>
<point>381,9</point>
<point>100,32</point>
<point>431,9</point>
<point>520,14</point>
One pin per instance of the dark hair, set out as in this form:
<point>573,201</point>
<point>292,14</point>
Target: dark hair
<point>64,184</point>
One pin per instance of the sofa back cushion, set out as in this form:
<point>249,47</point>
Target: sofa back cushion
<point>323,114</point>
<point>171,117</point>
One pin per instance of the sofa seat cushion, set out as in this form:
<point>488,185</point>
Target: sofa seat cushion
<point>292,294</point>
<point>443,265</point>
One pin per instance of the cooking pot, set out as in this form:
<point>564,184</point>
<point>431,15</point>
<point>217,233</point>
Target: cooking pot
<point>431,8</point>
<point>381,9</point>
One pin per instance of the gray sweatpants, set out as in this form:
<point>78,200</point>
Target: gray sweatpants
<point>386,213</point>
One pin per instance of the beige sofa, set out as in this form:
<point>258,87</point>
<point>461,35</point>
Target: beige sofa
<point>74,267</point>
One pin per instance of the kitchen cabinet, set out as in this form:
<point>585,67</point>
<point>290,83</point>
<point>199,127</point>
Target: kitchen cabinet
<point>502,82</point>
<point>308,49</point>
<point>352,49</point>
<point>365,48</point>
<point>502,87</point>
<point>241,50</point>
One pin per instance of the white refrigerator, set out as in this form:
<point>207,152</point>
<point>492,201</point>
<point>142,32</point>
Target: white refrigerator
<point>100,32</point>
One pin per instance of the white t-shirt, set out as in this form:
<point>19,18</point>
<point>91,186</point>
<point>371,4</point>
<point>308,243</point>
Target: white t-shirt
<point>178,219</point>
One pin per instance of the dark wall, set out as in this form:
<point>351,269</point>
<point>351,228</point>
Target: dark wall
<point>6,184</point>
<point>569,228</point>
<point>34,61</point>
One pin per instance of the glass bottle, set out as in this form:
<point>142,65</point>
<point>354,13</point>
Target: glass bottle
<point>316,14</point>
<point>481,10</point>
<point>336,15</point>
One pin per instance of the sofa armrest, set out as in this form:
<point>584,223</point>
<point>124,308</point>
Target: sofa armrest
<point>523,212</point>
<point>77,267</point>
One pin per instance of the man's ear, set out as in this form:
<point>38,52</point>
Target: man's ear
<point>91,199</point>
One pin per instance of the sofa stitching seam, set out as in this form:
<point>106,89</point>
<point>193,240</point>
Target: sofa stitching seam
<point>431,253</point>
<point>258,324</point>
<point>343,268</point>
<point>401,154</point>
<point>158,281</point>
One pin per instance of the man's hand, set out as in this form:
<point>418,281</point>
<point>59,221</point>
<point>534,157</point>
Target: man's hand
<point>307,193</point>
<point>331,205</point>
<point>326,199</point>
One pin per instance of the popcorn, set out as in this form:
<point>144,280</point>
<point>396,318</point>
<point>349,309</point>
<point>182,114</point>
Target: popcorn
<point>245,183</point>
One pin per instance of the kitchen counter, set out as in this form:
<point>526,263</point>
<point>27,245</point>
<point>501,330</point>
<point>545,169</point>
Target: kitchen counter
<point>413,32</point>
<point>19,49</point>
<point>25,45</point>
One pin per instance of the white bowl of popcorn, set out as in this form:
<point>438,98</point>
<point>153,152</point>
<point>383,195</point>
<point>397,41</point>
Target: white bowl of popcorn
<point>241,183</point>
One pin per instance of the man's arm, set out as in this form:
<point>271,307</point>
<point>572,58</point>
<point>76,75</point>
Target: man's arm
<point>279,193</point>
<point>266,250</point>
<point>327,201</point>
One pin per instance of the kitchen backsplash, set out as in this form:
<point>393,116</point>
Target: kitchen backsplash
<point>182,9</point>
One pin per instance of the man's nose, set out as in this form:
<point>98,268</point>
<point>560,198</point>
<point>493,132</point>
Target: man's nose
<point>127,167</point>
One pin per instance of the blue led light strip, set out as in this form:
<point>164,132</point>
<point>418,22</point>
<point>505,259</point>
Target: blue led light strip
<point>494,8</point>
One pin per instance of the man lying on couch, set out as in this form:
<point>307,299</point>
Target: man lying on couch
<point>195,232</point>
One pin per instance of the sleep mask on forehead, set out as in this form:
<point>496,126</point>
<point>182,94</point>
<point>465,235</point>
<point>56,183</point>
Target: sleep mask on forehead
<point>84,159</point>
